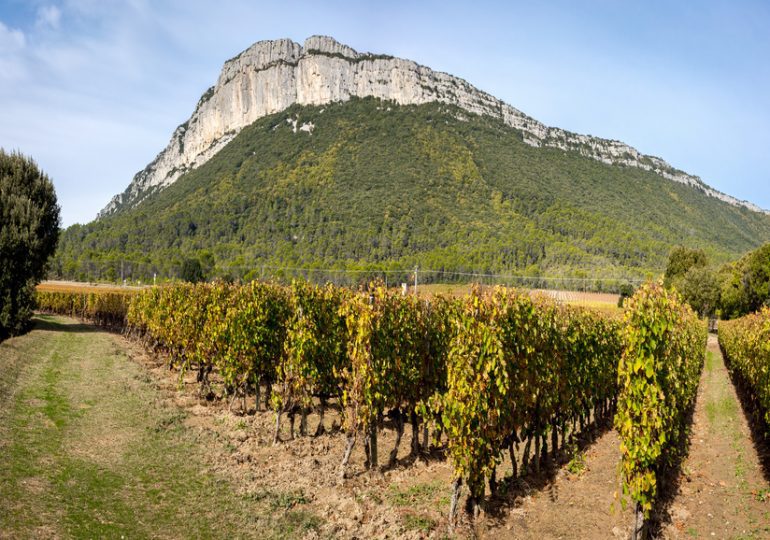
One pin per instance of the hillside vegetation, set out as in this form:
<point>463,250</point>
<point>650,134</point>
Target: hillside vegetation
<point>733,290</point>
<point>380,186</point>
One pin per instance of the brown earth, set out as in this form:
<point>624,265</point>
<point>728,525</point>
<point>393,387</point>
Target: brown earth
<point>724,492</point>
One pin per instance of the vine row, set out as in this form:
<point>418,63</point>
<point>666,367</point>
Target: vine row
<point>745,343</point>
<point>659,372</point>
<point>487,372</point>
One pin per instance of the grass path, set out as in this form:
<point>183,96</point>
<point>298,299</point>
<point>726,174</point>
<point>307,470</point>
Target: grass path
<point>90,450</point>
<point>723,493</point>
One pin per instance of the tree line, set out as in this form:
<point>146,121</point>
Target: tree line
<point>728,291</point>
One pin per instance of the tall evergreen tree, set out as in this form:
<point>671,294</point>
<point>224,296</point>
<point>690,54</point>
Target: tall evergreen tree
<point>29,232</point>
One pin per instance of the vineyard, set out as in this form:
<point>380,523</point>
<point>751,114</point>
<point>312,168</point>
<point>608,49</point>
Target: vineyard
<point>103,308</point>
<point>493,377</point>
<point>745,344</point>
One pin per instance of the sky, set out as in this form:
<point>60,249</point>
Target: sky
<point>93,89</point>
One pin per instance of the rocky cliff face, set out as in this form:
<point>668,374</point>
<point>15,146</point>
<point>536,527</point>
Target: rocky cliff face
<point>270,76</point>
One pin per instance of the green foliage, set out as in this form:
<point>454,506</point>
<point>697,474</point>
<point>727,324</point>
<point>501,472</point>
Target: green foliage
<point>626,291</point>
<point>700,289</point>
<point>315,350</point>
<point>192,271</point>
<point>396,361</point>
<point>381,186</point>
<point>516,363</point>
<point>254,333</point>
<point>659,371</point>
<point>476,412</point>
<point>489,367</point>
<point>746,346</point>
<point>745,284</point>
<point>688,272</point>
<point>29,232</point>
<point>757,278</point>
<point>106,309</point>
<point>681,260</point>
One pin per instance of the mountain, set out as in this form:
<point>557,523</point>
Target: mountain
<point>317,155</point>
<point>270,76</point>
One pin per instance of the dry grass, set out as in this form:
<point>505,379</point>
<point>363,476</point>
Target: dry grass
<point>76,287</point>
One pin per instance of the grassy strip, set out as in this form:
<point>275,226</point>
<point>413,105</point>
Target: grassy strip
<point>90,451</point>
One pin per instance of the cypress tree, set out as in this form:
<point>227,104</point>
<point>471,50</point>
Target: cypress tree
<point>29,232</point>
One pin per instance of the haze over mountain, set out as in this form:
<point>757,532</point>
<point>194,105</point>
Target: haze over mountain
<point>320,155</point>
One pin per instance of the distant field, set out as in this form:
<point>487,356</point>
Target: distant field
<point>77,286</point>
<point>602,301</point>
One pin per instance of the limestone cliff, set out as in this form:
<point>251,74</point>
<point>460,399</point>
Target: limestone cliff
<point>270,76</point>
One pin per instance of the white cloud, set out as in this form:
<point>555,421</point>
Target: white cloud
<point>48,17</point>
<point>12,45</point>
<point>11,40</point>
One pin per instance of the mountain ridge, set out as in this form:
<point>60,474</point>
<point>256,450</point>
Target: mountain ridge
<point>271,76</point>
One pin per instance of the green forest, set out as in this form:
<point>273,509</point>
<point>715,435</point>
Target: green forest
<point>376,186</point>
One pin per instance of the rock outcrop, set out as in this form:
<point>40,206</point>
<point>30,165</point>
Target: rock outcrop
<point>270,76</point>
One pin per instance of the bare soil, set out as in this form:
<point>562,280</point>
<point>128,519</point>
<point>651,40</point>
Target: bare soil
<point>723,491</point>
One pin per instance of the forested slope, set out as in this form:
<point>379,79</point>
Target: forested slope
<point>369,184</point>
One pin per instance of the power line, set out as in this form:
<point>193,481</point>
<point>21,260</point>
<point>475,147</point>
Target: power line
<point>411,272</point>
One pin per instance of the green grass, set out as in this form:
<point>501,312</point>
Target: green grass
<point>415,494</point>
<point>418,522</point>
<point>723,415</point>
<point>419,500</point>
<point>721,406</point>
<point>710,362</point>
<point>723,410</point>
<point>280,500</point>
<point>90,451</point>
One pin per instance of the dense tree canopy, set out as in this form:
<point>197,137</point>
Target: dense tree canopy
<point>681,260</point>
<point>192,271</point>
<point>29,231</point>
<point>700,288</point>
<point>734,290</point>
<point>688,272</point>
<point>745,284</point>
<point>379,186</point>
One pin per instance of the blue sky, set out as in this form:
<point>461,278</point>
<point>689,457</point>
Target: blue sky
<point>93,89</point>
